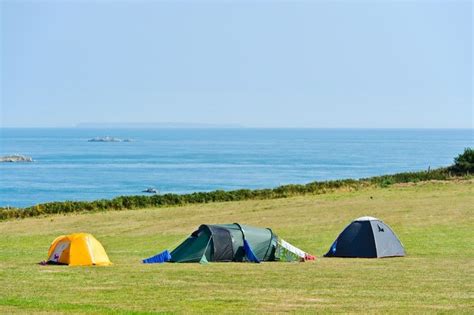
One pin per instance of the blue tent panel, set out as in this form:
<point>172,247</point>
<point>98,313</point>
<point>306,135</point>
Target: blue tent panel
<point>159,258</point>
<point>249,253</point>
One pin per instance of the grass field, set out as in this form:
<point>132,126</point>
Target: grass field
<point>434,220</point>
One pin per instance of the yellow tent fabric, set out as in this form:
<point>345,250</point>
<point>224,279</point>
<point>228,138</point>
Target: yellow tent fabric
<point>78,249</point>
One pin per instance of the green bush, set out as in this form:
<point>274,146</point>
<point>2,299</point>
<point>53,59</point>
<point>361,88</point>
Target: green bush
<point>464,162</point>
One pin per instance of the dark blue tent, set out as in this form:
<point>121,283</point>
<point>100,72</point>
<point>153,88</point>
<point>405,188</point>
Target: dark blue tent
<point>366,237</point>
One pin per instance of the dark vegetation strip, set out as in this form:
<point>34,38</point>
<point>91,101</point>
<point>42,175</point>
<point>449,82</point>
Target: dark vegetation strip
<point>463,166</point>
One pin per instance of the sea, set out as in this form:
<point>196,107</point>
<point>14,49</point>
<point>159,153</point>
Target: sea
<point>68,167</point>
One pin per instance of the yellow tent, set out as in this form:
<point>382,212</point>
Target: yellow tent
<point>78,249</point>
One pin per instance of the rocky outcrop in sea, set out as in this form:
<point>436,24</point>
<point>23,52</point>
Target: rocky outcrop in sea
<point>15,158</point>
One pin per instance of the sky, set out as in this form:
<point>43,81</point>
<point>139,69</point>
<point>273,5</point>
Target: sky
<point>302,64</point>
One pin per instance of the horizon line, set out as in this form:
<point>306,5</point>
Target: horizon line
<point>211,126</point>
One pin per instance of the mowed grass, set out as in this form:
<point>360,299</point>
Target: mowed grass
<point>435,222</point>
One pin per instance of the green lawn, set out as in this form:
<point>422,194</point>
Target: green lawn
<point>435,221</point>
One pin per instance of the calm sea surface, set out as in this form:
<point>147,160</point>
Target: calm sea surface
<point>68,167</point>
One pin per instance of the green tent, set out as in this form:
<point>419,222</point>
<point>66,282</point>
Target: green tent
<point>234,242</point>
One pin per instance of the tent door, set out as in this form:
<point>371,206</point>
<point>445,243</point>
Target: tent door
<point>61,247</point>
<point>222,244</point>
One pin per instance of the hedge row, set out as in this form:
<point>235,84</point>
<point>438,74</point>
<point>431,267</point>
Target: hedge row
<point>137,202</point>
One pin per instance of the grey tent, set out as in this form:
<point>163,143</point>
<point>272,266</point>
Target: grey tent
<point>366,237</point>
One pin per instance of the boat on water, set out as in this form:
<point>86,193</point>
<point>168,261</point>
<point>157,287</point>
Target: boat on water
<point>150,190</point>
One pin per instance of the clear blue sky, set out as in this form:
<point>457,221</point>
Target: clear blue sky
<point>264,64</point>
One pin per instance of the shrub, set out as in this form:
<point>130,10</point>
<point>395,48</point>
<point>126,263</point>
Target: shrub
<point>464,162</point>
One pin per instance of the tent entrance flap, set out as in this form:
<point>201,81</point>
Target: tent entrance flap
<point>60,252</point>
<point>222,244</point>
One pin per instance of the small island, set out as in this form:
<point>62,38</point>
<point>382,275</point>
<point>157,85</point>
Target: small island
<point>16,158</point>
<point>108,139</point>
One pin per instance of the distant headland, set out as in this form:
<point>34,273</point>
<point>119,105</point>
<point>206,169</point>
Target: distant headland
<point>162,125</point>
<point>108,139</point>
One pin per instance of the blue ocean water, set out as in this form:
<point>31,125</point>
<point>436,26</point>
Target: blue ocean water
<point>68,167</point>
